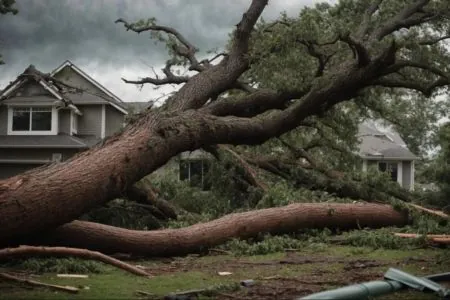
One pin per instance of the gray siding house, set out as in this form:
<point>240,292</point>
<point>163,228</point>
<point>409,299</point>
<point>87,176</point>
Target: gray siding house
<point>386,152</point>
<point>383,151</point>
<point>50,117</point>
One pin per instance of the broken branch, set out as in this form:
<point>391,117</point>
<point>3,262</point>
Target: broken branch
<point>69,289</point>
<point>26,251</point>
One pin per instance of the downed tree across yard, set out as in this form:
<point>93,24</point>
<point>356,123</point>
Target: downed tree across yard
<point>168,242</point>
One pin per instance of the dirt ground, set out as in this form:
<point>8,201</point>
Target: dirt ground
<point>286,275</point>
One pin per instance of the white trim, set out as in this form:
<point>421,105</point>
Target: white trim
<point>103,127</point>
<point>54,126</point>
<point>400,173</point>
<point>86,76</point>
<point>364,165</point>
<point>411,182</point>
<point>80,72</point>
<point>118,108</point>
<point>48,88</point>
<point>12,88</point>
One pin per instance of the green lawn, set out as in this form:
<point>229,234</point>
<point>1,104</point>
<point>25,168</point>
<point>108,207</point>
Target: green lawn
<point>277,276</point>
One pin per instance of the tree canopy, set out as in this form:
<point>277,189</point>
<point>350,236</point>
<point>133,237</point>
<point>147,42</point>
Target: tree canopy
<point>324,70</point>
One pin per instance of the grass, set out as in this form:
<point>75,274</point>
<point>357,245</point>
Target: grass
<point>179,274</point>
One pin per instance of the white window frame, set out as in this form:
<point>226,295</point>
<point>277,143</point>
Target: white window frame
<point>54,121</point>
<point>73,123</point>
<point>399,169</point>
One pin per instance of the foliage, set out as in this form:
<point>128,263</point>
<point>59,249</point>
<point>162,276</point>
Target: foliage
<point>56,265</point>
<point>123,213</point>
<point>439,170</point>
<point>263,245</point>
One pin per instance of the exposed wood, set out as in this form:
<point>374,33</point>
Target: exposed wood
<point>27,251</point>
<point>69,289</point>
<point>72,276</point>
<point>197,237</point>
<point>443,239</point>
<point>429,211</point>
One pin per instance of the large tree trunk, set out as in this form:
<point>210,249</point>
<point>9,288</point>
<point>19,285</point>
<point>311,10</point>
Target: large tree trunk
<point>45,198</point>
<point>168,242</point>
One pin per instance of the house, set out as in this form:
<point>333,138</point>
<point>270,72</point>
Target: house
<point>386,152</point>
<point>50,117</point>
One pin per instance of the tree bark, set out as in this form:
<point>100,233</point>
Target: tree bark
<point>191,239</point>
<point>27,251</point>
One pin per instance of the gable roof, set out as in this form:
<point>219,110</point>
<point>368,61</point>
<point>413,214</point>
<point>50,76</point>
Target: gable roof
<point>113,99</point>
<point>53,86</point>
<point>30,72</point>
<point>376,144</point>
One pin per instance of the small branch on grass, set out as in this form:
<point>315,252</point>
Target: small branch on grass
<point>442,239</point>
<point>69,289</point>
<point>26,251</point>
<point>429,211</point>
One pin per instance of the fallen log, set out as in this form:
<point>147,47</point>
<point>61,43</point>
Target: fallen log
<point>169,242</point>
<point>27,251</point>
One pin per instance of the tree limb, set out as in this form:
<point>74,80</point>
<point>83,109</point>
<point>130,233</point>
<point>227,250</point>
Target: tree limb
<point>364,27</point>
<point>70,289</point>
<point>186,49</point>
<point>26,251</point>
<point>409,16</point>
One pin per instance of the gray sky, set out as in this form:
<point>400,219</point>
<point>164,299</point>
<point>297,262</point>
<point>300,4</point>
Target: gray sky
<point>47,32</point>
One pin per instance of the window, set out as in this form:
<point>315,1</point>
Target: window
<point>31,119</point>
<point>196,172</point>
<point>391,167</point>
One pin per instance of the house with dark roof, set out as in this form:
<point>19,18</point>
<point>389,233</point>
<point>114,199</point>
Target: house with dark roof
<point>386,151</point>
<point>48,117</point>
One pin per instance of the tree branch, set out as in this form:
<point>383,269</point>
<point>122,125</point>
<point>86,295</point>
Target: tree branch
<point>434,41</point>
<point>425,89</point>
<point>409,16</point>
<point>358,48</point>
<point>186,49</point>
<point>364,27</point>
<point>169,79</point>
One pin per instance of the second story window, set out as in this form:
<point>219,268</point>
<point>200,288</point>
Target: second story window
<point>31,120</point>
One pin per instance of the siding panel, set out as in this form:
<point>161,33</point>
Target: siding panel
<point>90,123</point>
<point>64,121</point>
<point>114,120</point>
<point>3,119</point>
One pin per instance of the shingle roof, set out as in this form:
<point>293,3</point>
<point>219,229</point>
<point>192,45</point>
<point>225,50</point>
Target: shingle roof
<point>42,141</point>
<point>376,144</point>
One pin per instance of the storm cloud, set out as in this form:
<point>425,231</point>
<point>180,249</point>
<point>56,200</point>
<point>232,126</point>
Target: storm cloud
<point>47,32</point>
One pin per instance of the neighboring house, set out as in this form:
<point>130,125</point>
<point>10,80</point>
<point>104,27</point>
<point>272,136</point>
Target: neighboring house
<point>387,152</point>
<point>44,120</point>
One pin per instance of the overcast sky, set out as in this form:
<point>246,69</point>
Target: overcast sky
<point>47,32</point>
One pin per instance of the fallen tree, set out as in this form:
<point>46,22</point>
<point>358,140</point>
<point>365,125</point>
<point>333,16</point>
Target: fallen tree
<point>191,239</point>
<point>340,66</point>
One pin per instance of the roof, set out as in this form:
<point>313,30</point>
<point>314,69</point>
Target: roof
<point>137,107</point>
<point>42,141</point>
<point>376,144</point>
<point>59,91</point>
<point>113,99</point>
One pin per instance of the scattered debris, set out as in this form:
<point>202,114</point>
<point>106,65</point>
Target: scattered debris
<point>72,276</point>
<point>224,273</point>
<point>248,282</point>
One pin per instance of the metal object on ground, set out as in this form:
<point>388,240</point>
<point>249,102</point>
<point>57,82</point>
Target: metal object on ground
<point>395,280</point>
